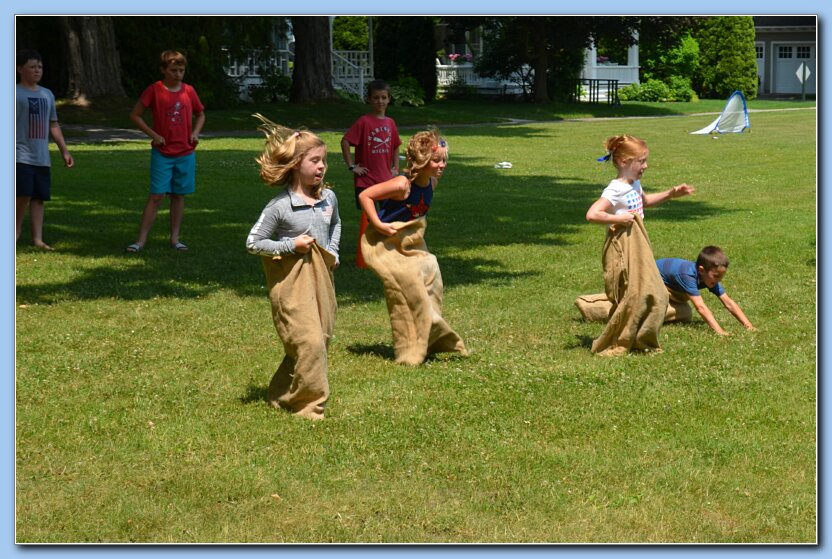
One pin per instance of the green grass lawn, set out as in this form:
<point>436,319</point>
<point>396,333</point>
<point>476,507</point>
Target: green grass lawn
<point>341,114</point>
<point>141,379</point>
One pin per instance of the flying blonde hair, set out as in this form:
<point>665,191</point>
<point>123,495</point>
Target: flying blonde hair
<point>284,149</point>
<point>420,150</point>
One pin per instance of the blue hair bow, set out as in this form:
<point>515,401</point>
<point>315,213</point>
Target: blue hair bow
<point>605,158</point>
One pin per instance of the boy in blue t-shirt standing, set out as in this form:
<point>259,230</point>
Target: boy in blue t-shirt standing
<point>684,279</point>
<point>36,119</point>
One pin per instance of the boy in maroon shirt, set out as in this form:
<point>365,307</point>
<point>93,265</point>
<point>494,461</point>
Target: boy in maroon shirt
<point>376,141</point>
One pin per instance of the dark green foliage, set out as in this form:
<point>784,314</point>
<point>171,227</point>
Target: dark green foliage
<point>659,62</point>
<point>350,33</point>
<point>404,46</point>
<point>206,41</point>
<point>651,90</point>
<point>513,46</point>
<point>676,88</point>
<point>459,89</point>
<point>565,66</point>
<point>274,87</point>
<point>43,34</point>
<point>681,89</point>
<point>506,53</point>
<point>727,56</point>
<point>669,54</point>
<point>407,91</point>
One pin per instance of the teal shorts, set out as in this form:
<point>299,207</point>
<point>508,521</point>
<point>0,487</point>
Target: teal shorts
<point>172,175</point>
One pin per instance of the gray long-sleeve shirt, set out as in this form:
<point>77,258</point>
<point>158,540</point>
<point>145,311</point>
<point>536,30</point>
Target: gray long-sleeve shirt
<point>288,216</point>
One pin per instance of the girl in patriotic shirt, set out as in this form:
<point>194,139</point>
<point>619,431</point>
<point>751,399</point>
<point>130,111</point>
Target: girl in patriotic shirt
<point>624,198</point>
<point>407,197</point>
<point>394,249</point>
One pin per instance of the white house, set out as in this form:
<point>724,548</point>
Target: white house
<point>784,44</point>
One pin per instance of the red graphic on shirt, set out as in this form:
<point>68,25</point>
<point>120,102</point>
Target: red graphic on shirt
<point>418,210</point>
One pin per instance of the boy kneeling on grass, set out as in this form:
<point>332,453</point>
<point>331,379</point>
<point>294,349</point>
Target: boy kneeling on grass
<point>684,279</point>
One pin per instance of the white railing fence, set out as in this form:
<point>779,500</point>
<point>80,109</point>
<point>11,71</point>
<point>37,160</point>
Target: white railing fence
<point>247,72</point>
<point>624,74</point>
<point>448,74</point>
<point>351,71</point>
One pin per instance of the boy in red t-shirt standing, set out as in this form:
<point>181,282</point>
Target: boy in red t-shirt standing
<point>376,142</point>
<point>178,118</point>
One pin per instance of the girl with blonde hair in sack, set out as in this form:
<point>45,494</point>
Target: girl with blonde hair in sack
<point>297,236</point>
<point>394,248</point>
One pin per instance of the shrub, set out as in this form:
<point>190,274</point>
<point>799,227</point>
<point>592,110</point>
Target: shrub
<point>275,86</point>
<point>407,91</point>
<point>345,95</point>
<point>627,93</point>
<point>727,57</point>
<point>652,90</point>
<point>459,89</point>
<point>680,89</point>
<point>403,46</point>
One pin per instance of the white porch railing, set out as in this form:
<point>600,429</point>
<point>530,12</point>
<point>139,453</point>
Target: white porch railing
<point>351,70</point>
<point>624,74</point>
<point>447,74</point>
<point>247,72</point>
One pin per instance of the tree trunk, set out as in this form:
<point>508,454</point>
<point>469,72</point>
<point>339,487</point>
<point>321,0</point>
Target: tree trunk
<point>312,72</point>
<point>93,67</point>
<point>541,60</point>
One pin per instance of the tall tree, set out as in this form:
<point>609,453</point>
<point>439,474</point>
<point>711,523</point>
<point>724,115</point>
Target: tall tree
<point>405,47</point>
<point>93,68</point>
<point>350,33</point>
<point>727,57</point>
<point>312,72</point>
<point>553,46</point>
<point>80,55</point>
<point>209,43</point>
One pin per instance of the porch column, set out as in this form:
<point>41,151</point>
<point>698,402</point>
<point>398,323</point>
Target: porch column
<point>632,59</point>
<point>370,45</point>
<point>590,55</point>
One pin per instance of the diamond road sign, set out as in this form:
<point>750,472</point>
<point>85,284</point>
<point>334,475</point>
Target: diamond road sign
<point>803,72</point>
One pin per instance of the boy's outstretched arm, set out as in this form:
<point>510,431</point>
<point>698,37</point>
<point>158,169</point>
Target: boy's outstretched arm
<point>735,309</point>
<point>706,314</point>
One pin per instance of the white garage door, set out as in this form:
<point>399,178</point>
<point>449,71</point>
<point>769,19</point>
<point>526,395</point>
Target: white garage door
<point>787,61</point>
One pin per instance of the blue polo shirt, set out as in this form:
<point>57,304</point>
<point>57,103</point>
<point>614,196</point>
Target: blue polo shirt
<point>681,275</point>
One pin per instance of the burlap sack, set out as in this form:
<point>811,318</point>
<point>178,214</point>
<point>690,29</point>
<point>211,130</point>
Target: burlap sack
<point>678,309</point>
<point>634,287</point>
<point>597,307</point>
<point>413,290</point>
<point>302,295</point>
